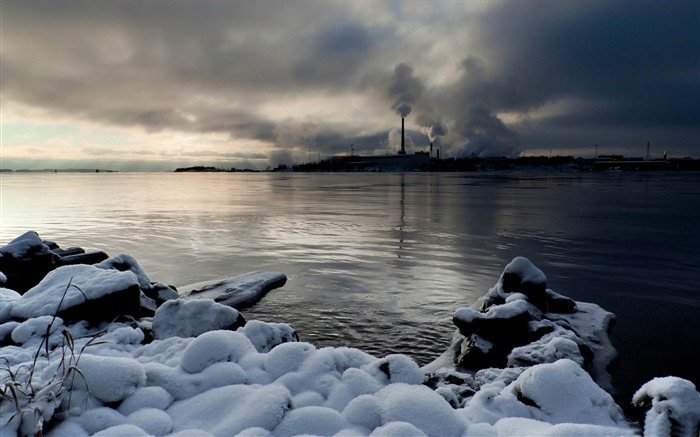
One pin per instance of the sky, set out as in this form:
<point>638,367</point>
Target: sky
<point>156,85</point>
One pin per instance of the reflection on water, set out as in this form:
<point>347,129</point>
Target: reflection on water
<point>381,261</point>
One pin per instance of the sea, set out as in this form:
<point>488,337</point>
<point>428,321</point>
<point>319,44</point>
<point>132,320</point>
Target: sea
<point>381,261</point>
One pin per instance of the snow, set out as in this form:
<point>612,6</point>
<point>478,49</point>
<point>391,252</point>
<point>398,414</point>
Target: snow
<point>23,245</point>
<point>78,282</point>
<point>110,379</point>
<point>239,291</point>
<point>213,347</point>
<point>527,271</point>
<point>675,407</point>
<point>146,397</point>
<point>265,336</point>
<point>199,377</point>
<point>7,299</point>
<point>182,318</point>
<point>125,263</point>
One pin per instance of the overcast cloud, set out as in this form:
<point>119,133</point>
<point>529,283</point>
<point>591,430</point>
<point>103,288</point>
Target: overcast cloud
<point>262,83</point>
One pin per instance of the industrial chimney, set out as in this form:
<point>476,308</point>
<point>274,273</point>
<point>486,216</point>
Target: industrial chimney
<point>403,146</point>
<point>431,149</point>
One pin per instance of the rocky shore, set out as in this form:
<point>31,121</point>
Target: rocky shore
<point>90,345</point>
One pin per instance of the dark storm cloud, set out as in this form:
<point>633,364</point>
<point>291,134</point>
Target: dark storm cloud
<point>625,65</point>
<point>611,70</point>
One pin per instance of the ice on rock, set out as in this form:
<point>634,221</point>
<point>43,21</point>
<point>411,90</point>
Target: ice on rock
<point>153,421</point>
<point>146,397</point>
<point>230,409</point>
<point>673,407</point>
<point>213,347</point>
<point>313,420</point>
<point>3,278</point>
<point>190,318</point>
<point>110,379</point>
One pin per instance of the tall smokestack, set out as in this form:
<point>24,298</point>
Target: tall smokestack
<point>431,149</point>
<point>403,146</point>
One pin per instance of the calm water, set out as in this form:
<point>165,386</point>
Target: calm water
<point>381,261</point>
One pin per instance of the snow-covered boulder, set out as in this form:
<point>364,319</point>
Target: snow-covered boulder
<point>25,261</point>
<point>240,291</point>
<point>520,323</point>
<point>84,292</point>
<point>265,336</point>
<point>673,407</point>
<point>190,318</point>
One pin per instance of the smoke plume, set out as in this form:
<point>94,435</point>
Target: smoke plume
<point>433,128</point>
<point>404,89</point>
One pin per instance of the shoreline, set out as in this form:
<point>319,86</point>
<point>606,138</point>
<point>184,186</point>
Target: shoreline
<point>334,388</point>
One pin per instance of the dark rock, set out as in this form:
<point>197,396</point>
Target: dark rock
<point>81,258</point>
<point>126,302</point>
<point>507,325</point>
<point>25,261</point>
<point>66,252</point>
<point>477,353</point>
<point>148,306</point>
<point>160,293</point>
<point>556,303</point>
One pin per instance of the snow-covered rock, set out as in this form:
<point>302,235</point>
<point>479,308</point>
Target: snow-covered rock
<point>84,292</point>
<point>7,299</point>
<point>24,261</point>
<point>190,318</point>
<point>520,323</point>
<point>673,407</point>
<point>201,375</point>
<point>240,291</point>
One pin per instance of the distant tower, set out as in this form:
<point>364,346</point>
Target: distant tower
<point>403,146</point>
<point>431,149</point>
<point>596,151</point>
<point>648,158</point>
